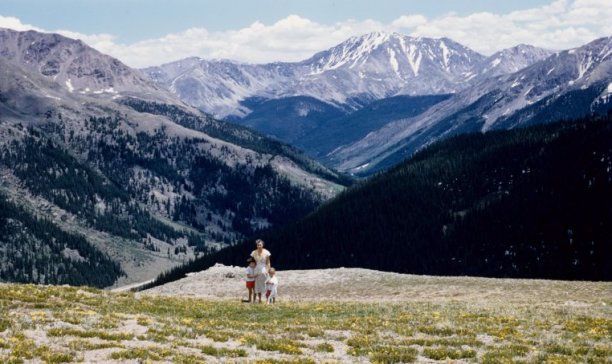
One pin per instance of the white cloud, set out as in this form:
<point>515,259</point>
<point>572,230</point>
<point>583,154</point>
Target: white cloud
<point>409,21</point>
<point>539,14</point>
<point>16,24</point>
<point>97,40</point>
<point>290,39</point>
<point>560,24</point>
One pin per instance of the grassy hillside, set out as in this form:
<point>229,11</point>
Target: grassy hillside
<point>554,322</point>
<point>533,202</point>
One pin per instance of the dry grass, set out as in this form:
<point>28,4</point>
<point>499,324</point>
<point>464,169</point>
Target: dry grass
<point>67,324</point>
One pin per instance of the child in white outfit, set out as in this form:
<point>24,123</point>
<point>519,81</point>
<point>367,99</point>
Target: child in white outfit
<point>271,286</point>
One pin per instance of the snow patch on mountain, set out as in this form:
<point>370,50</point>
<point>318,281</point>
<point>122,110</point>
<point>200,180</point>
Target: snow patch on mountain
<point>393,61</point>
<point>510,60</point>
<point>414,58</point>
<point>71,63</point>
<point>445,54</point>
<point>368,67</point>
<point>501,101</point>
<point>363,68</point>
<point>69,85</point>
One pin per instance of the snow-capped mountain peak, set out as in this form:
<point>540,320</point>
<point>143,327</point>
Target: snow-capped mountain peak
<point>371,66</point>
<point>362,68</point>
<point>565,85</point>
<point>403,55</point>
<point>350,52</point>
<point>511,60</point>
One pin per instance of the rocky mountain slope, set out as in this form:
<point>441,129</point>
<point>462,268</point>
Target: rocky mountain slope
<point>75,67</point>
<point>351,74</point>
<point>318,128</point>
<point>299,103</point>
<point>568,84</point>
<point>509,60</point>
<point>380,65</point>
<point>102,153</point>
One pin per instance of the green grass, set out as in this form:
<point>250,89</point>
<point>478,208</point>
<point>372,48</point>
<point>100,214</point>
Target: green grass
<point>285,361</point>
<point>223,352</point>
<point>445,341</point>
<point>266,343</point>
<point>113,336</point>
<point>84,345</point>
<point>325,347</point>
<point>444,353</point>
<point>49,356</point>
<point>4,324</point>
<point>79,321</point>
<point>392,354</point>
<point>314,332</point>
<point>147,353</point>
<point>217,336</point>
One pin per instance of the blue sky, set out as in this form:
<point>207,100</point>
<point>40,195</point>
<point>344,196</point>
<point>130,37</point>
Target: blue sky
<point>135,20</point>
<point>144,33</point>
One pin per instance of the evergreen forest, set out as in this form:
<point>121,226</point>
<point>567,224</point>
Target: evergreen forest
<point>530,202</point>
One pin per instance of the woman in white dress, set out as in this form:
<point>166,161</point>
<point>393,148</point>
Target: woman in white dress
<point>262,261</point>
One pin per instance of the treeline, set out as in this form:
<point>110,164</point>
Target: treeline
<point>122,179</point>
<point>533,202</point>
<point>34,250</point>
<point>236,134</point>
<point>48,170</point>
<point>261,192</point>
<point>200,190</point>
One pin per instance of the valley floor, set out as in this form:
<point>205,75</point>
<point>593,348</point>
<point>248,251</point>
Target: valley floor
<point>331,316</point>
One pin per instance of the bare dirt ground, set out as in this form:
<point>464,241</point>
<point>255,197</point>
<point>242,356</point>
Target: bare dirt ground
<point>356,284</point>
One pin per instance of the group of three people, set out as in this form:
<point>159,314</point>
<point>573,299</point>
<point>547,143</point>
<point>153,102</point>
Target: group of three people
<point>261,277</point>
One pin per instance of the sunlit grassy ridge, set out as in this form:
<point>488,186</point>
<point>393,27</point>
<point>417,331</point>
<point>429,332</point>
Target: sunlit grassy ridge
<point>67,324</point>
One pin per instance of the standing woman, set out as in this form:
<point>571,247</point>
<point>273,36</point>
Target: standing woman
<point>262,261</point>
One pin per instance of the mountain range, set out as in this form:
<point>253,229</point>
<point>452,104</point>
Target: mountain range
<point>318,104</point>
<point>566,85</point>
<point>126,178</point>
<point>351,74</point>
<point>112,174</point>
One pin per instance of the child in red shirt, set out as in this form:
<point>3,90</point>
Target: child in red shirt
<point>250,279</point>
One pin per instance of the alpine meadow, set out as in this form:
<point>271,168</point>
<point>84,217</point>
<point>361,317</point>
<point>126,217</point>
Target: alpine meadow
<point>305,182</point>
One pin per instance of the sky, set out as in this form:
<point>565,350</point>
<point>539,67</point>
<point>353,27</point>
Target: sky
<point>144,33</point>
